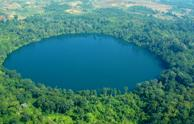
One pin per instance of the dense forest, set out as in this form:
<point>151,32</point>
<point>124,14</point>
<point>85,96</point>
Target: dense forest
<point>167,99</point>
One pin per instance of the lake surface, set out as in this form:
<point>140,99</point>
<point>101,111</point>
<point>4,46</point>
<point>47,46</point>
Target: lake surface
<point>84,62</point>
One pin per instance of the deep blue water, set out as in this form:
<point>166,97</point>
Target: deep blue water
<point>84,62</point>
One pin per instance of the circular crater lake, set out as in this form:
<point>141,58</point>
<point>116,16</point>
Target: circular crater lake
<point>82,62</point>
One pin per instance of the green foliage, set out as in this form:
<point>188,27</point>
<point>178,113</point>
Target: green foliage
<point>168,99</point>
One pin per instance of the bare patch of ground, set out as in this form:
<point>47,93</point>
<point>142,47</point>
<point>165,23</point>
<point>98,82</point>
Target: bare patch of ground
<point>12,6</point>
<point>74,3</point>
<point>74,7</point>
<point>130,3</point>
<point>2,18</point>
<point>73,11</point>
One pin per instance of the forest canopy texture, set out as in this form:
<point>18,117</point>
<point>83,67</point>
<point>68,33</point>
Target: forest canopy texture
<point>164,27</point>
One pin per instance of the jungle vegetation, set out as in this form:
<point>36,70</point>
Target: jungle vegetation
<point>167,99</point>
